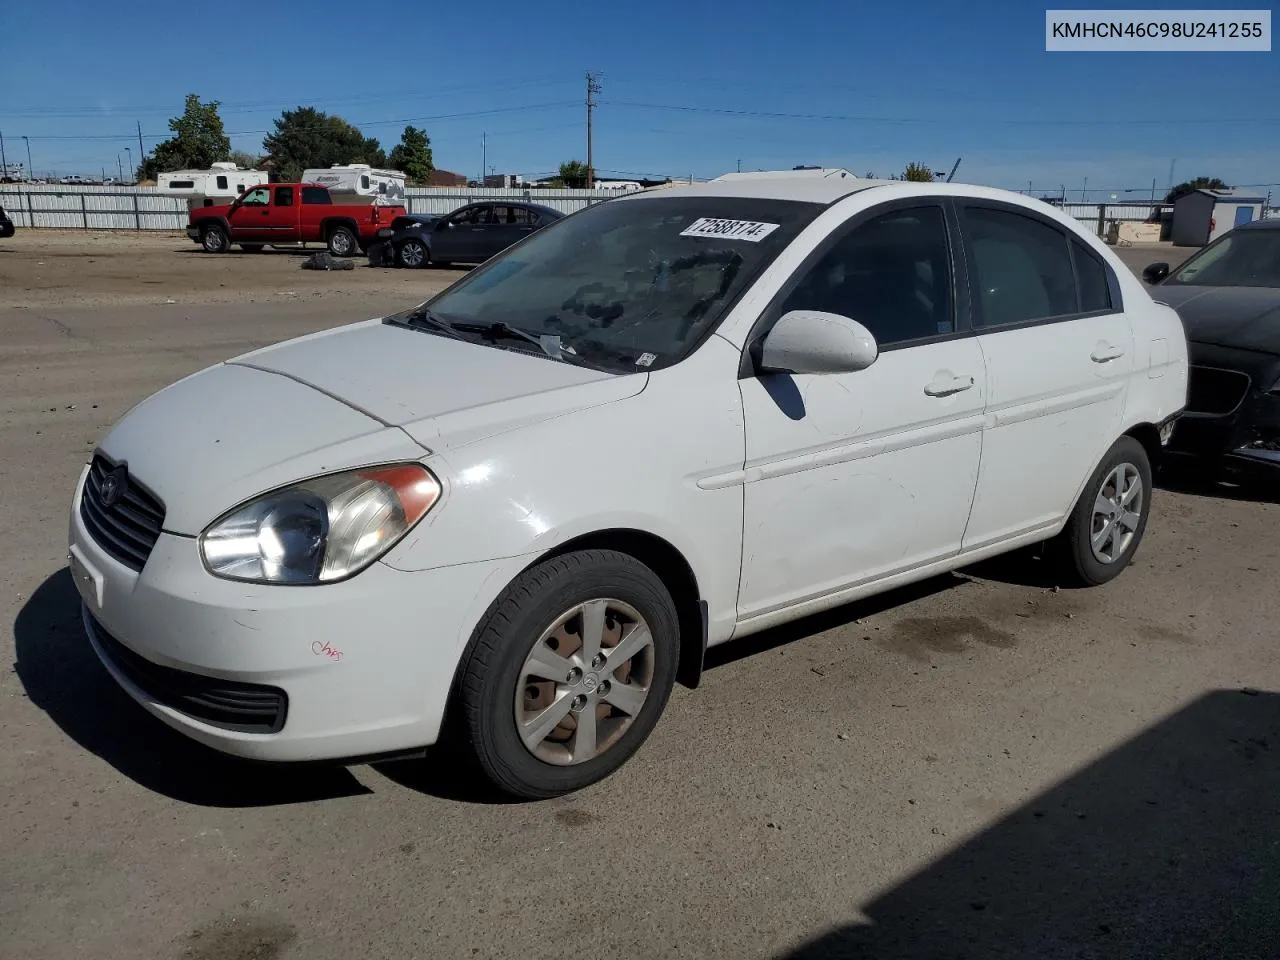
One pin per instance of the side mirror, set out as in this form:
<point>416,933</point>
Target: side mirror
<point>1155,272</point>
<point>809,341</point>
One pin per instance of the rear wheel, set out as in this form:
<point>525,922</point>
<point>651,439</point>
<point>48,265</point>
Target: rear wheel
<point>214,239</point>
<point>342,242</point>
<point>1104,530</point>
<point>412,253</point>
<point>569,672</point>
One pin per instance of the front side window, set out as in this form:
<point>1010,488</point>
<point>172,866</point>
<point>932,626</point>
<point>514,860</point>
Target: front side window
<point>892,274</point>
<point>629,284</point>
<point>284,196</point>
<point>467,216</point>
<point>1021,268</point>
<point>1242,258</point>
<point>257,197</point>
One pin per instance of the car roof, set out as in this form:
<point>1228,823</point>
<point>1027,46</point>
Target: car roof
<point>763,186</point>
<point>1267,223</point>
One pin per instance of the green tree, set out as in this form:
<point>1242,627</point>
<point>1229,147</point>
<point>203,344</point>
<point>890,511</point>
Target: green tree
<point>413,155</point>
<point>307,137</point>
<point>243,160</point>
<point>573,173</point>
<point>1191,186</point>
<point>198,140</point>
<point>918,173</point>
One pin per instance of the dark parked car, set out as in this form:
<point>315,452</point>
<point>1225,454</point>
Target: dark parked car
<point>1228,296</point>
<point>470,234</point>
<point>6,225</point>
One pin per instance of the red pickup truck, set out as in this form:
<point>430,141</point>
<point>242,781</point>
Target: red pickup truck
<point>280,214</point>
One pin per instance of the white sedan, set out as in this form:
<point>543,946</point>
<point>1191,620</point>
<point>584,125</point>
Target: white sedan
<point>518,513</point>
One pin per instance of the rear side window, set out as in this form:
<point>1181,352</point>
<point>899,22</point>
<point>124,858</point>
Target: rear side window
<point>284,196</point>
<point>181,184</point>
<point>1021,268</point>
<point>523,215</point>
<point>315,195</point>
<point>1091,275</point>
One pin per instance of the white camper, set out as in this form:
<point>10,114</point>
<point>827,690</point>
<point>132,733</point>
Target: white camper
<point>359,183</point>
<point>222,183</point>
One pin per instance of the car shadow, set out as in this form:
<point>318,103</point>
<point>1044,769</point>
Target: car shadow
<point>1200,481</point>
<point>1168,848</point>
<point>63,677</point>
<point>784,634</point>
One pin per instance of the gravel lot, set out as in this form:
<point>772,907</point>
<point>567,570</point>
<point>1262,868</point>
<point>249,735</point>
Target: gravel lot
<point>979,766</point>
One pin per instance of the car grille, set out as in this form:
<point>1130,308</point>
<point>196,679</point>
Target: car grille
<point>1214,391</point>
<point>128,528</point>
<point>229,704</point>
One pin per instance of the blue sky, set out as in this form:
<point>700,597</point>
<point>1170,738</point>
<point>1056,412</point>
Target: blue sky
<point>688,88</point>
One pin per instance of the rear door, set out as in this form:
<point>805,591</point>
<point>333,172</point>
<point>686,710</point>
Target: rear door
<point>282,215</point>
<point>316,205</point>
<point>1058,350</point>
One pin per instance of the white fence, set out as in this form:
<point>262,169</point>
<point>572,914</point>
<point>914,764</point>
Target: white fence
<point>145,208</point>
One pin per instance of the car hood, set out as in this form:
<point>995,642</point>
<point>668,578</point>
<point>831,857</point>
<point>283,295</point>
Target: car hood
<point>228,433</point>
<point>441,391</point>
<point>1245,318</point>
<point>365,393</point>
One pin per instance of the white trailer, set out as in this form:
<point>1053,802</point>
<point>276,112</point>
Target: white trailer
<point>222,183</point>
<point>359,183</point>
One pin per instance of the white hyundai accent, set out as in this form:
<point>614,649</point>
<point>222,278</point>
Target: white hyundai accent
<point>518,513</point>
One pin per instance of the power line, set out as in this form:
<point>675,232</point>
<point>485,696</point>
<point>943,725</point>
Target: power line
<point>777,115</point>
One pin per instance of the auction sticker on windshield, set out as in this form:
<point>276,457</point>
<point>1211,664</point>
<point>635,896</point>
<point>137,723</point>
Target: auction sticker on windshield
<point>729,229</point>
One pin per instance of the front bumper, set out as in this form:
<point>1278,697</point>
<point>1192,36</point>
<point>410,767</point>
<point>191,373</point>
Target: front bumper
<point>351,669</point>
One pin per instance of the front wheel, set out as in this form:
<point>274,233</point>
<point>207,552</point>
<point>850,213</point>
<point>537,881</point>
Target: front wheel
<point>214,239</point>
<point>1104,530</point>
<point>568,673</point>
<point>342,242</point>
<point>412,253</point>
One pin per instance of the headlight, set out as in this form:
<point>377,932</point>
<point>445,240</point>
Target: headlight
<point>319,530</point>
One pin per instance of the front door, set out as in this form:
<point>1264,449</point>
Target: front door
<point>1059,352</point>
<point>455,239</point>
<point>853,477</point>
<point>282,215</point>
<point>251,218</point>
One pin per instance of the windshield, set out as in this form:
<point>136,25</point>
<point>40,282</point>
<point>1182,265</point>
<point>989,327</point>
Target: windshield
<point>1243,258</point>
<point>628,284</point>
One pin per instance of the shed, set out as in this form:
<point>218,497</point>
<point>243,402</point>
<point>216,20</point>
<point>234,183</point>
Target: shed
<point>1204,215</point>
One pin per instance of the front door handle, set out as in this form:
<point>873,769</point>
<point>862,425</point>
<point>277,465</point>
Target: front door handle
<point>1105,352</point>
<point>947,386</point>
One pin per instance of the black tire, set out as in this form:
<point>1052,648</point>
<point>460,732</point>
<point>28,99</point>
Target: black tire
<point>413,254</point>
<point>251,247</point>
<point>492,666</point>
<point>342,242</point>
<point>1074,545</point>
<point>214,239</point>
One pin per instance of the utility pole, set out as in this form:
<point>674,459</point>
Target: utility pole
<point>484,155</point>
<point>593,87</point>
<point>4,164</point>
<point>31,174</point>
<point>142,151</point>
<point>1084,190</point>
<point>1153,191</point>
<point>1172,164</point>
<point>128,152</point>
<point>119,169</point>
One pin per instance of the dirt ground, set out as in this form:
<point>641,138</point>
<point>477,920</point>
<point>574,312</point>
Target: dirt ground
<point>980,767</point>
<point>61,267</point>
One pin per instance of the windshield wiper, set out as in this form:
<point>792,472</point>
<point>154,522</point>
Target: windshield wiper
<point>548,343</point>
<point>424,317</point>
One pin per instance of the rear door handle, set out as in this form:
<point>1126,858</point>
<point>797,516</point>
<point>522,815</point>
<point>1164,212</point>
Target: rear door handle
<point>1105,352</point>
<point>948,385</point>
